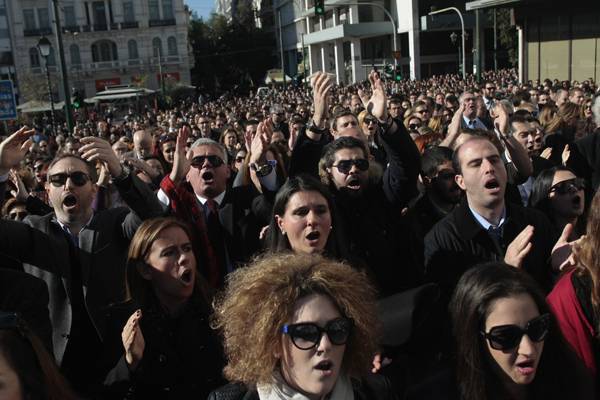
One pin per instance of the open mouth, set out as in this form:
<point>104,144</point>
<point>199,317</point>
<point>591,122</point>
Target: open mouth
<point>492,184</point>
<point>208,176</point>
<point>526,367</point>
<point>70,201</point>
<point>314,235</point>
<point>186,277</point>
<point>325,366</point>
<point>353,183</point>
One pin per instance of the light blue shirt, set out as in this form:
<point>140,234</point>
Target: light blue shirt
<point>477,124</point>
<point>485,224</point>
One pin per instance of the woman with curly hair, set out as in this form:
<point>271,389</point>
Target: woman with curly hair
<point>575,298</point>
<point>299,327</point>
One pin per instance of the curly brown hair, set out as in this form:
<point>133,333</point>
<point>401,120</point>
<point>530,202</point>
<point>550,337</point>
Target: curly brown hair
<point>260,299</point>
<point>587,252</point>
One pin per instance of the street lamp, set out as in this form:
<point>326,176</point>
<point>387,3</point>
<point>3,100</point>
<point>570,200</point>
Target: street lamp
<point>454,39</point>
<point>44,46</point>
<point>462,27</point>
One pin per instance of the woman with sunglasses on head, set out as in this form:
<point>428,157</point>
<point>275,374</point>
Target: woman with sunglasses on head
<point>575,299</point>
<point>507,343</point>
<point>161,344</point>
<point>559,194</point>
<point>299,327</point>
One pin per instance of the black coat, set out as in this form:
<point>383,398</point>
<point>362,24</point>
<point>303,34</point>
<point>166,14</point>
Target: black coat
<point>458,242</point>
<point>374,387</point>
<point>183,357</point>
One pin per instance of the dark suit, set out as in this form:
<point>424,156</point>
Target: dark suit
<point>28,296</point>
<point>45,251</point>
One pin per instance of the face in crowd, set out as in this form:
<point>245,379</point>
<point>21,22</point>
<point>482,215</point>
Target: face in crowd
<point>347,125</point>
<point>209,172</point>
<point>170,266</point>
<point>350,171</point>
<point>306,222</point>
<point>142,144</point>
<point>516,360</point>
<point>395,110</point>
<point>482,173</point>
<point>567,195</point>
<point>313,367</point>
<point>168,151</point>
<point>529,137</point>
<point>70,190</point>
<point>468,99</point>
<point>443,183</point>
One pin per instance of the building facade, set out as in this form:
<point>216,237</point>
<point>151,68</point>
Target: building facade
<point>105,42</point>
<point>7,65</point>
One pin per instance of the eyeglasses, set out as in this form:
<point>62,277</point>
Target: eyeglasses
<point>166,138</point>
<point>17,215</point>
<point>344,166</point>
<point>370,121</point>
<point>506,337</point>
<point>412,127</point>
<point>214,161</point>
<point>78,178</point>
<point>565,187</point>
<point>307,335</point>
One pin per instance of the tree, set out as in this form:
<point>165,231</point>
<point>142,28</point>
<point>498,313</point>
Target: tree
<point>35,87</point>
<point>507,34</point>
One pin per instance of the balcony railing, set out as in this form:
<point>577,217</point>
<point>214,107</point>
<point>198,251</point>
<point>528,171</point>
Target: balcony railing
<point>100,27</point>
<point>71,28</point>
<point>162,22</point>
<point>37,32</point>
<point>130,25</point>
<point>105,65</point>
<point>166,60</point>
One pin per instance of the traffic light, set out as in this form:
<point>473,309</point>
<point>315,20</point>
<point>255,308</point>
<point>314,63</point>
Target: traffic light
<point>319,7</point>
<point>76,100</point>
<point>398,74</point>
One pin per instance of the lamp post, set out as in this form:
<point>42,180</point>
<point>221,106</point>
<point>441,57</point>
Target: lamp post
<point>454,40</point>
<point>462,27</point>
<point>44,47</point>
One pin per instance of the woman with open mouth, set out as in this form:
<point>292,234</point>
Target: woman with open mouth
<point>508,345</point>
<point>161,344</point>
<point>299,327</point>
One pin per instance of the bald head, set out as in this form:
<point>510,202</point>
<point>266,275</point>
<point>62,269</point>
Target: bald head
<point>142,144</point>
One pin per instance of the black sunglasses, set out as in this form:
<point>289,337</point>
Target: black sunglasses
<point>490,88</point>
<point>214,161</point>
<point>344,166</point>
<point>307,335</point>
<point>78,178</point>
<point>506,337</point>
<point>17,215</point>
<point>370,120</point>
<point>413,127</point>
<point>565,187</point>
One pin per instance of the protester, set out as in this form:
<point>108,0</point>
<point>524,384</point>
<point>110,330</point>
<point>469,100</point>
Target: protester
<point>299,326</point>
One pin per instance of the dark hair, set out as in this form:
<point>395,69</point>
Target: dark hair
<point>276,241</point>
<point>340,114</point>
<point>38,374</point>
<point>559,371</point>
<point>328,157</point>
<point>434,157</point>
<point>90,166</point>
<point>540,191</point>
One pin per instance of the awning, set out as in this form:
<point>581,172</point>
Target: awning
<point>36,106</point>
<point>481,4</point>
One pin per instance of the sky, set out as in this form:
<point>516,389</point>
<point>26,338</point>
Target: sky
<point>202,7</point>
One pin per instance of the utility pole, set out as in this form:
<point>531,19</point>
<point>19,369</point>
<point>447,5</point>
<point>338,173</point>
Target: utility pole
<point>63,66</point>
<point>281,48</point>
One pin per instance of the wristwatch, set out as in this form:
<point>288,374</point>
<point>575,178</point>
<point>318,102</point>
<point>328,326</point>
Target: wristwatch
<point>263,170</point>
<point>386,125</point>
<point>125,171</point>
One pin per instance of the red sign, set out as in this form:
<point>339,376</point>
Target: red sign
<point>102,83</point>
<point>169,75</point>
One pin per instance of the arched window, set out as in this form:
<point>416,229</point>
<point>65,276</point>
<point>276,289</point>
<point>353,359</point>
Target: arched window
<point>172,46</point>
<point>75,56</point>
<point>104,50</point>
<point>34,57</point>
<point>157,47</point>
<point>132,49</point>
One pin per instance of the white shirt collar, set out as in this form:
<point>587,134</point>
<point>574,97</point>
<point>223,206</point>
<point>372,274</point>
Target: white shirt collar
<point>218,199</point>
<point>485,224</point>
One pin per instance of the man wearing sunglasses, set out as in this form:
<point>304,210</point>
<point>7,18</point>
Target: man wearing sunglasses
<point>221,215</point>
<point>79,253</point>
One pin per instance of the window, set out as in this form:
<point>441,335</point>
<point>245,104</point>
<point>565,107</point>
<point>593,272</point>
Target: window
<point>128,11</point>
<point>29,19</point>
<point>167,9</point>
<point>154,10</point>
<point>75,56</point>
<point>132,49</point>
<point>70,19</point>
<point>52,58</point>
<point>157,47</point>
<point>99,13</point>
<point>34,57</point>
<point>172,46</point>
<point>43,18</point>
<point>104,50</point>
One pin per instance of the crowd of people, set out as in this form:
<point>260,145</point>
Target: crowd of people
<point>434,239</point>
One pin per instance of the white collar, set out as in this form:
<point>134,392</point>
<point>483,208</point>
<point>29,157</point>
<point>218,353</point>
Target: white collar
<point>218,199</point>
<point>485,224</point>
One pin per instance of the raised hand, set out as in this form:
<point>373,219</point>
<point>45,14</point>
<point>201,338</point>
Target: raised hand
<point>562,257</point>
<point>546,153</point>
<point>181,162</point>
<point>519,248</point>
<point>321,84</point>
<point>133,340</point>
<point>95,148</point>
<point>377,104</point>
<point>566,154</point>
<point>260,142</point>
<point>21,191</point>
<point>14,148</point>
<point>454,127</point>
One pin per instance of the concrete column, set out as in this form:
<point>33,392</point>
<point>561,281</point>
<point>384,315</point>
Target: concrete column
<point>358,72</point>
<point>90,12</point>
<point>314,62</point>
<point>414,47</point>
<point>340,70</point>
<point>308,25</point>
<point>353,11</point>
<point>336,16</point>
<point>324,60</point>
<point>106,14</point>
<point>522,46</point>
